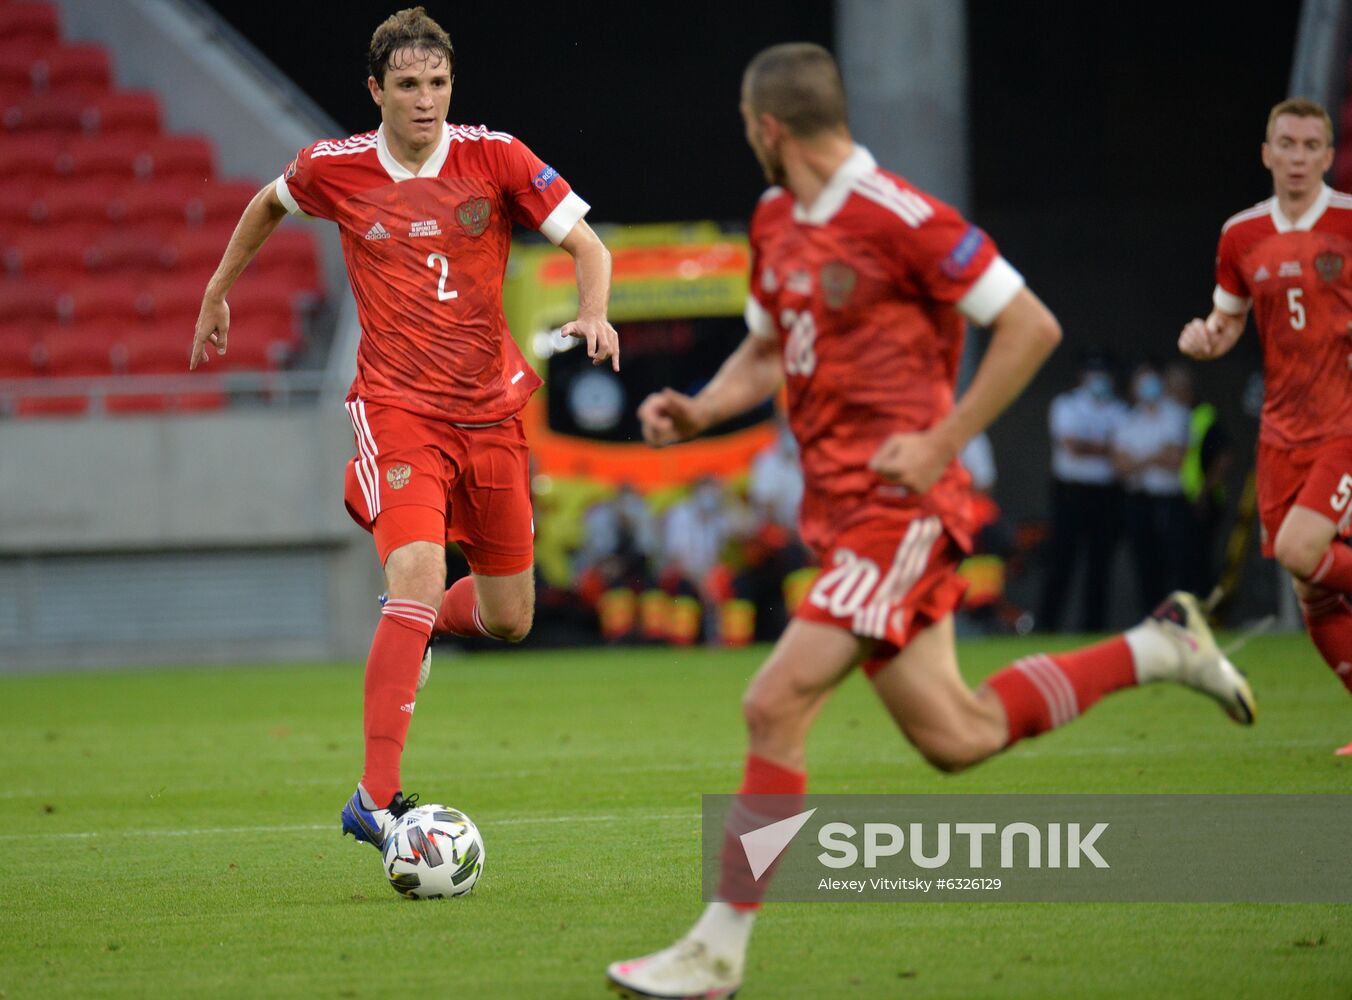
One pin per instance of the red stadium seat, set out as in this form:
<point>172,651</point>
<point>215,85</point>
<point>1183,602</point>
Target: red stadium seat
<point>28,302</point>
<point>52,406</point>
<point>76,351</point>
<point>17,59</point>
<point>289,255</point>
<point>16,351</point>
<point>30,24</point>
<point>168,202</point>
<point>111,299</point>
<point>59,113</point>
<point>170,298</point>
<point>140,249</point>
<point>258,345</point>
<point>48,252</point>
<point>63,201</point>
<point>153,349</point>
<point>179,402</point>
<point>255,297</point>
<point>179,156</point>
<point>19,201</point>
<point>195,250</point>
<point>85,66</point>
<point>29,156</point>
<point>123,112</point>
<point>118,159</point>
<point>223,202</point>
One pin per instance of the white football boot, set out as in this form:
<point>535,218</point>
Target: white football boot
<point>706,964</point>
<point>1176,644</point>
<point>685,971</point>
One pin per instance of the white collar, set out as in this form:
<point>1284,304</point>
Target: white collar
<point>431,166</point>
<point>1305,222</point>
<point>832,197</point>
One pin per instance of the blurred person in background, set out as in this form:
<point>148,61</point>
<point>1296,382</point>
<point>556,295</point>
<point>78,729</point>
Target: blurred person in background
<point>1086,496</point>
<point>1148,450</point>
<point>426,210</point>
<point>1290,258</point>
<point>1206,466</point>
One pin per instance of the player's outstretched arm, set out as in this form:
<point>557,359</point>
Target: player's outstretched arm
<point>750,376</point>
<point>263,214</point>
<point>591,260</point>
<point>1208,339</point>
<point>1023,335</point>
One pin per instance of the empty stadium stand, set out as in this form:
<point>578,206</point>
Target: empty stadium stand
<point>109,229</point>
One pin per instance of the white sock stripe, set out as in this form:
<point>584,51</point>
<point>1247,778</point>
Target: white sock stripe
<point>410,611</point>
<point>1052,670</point>
<point>479,623</point>
<point>1053,707</point>
<point>1324,566</point>
<point>404,602</point>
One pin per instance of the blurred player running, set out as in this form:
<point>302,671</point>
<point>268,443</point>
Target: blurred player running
<point>859,286</point>
<point>425,211</point>
<point>1290,257</point>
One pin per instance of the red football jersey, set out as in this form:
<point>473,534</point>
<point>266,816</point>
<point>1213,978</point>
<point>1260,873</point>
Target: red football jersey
<point>426,254</point>
<point>866,292</point>
<point>1297,276</point>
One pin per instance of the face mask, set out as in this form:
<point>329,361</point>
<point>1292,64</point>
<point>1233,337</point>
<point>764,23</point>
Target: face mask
<point>1149,388</point>
<point>1100,386</point>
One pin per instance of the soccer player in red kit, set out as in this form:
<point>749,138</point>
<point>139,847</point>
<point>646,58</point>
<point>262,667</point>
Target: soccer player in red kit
<point>859,286</point>
<point>425,211</point>
<point>1290,258</point>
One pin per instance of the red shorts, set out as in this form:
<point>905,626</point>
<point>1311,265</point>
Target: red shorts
<point>476,478</point>
<point>1318,478</point>
<point>887,577</point>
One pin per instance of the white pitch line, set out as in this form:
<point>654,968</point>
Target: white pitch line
<point>305,828</point>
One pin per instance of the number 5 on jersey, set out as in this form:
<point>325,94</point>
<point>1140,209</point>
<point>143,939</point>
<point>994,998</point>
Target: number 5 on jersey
<point>433,259</point>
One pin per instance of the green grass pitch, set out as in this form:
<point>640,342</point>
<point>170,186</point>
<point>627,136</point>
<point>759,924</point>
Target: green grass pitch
<point>175,834</point>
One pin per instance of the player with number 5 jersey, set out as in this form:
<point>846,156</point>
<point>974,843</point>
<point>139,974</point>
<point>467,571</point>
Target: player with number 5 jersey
<point>1289,258</point>
<point>860,286</point>
<point>425,210</point>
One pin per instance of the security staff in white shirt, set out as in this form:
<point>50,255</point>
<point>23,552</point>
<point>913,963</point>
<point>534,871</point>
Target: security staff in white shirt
<point>1086,497</point>
<point>1148,451</point>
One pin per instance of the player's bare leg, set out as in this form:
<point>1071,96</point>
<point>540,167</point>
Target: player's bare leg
<point>955,727</point>
<point>490,607</point>
<point>415,576</point>
<point>1308,548</point>
<point>951,725</point>
<point>780,706</point>
<point>507,604</point>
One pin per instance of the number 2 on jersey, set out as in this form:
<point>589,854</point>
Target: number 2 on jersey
<point>433,259</point>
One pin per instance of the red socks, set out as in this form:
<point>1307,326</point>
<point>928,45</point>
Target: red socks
<point>1043,691</point>
<point>751,811</point>
<point>1329,621</point>
<point>459,613</point>
<point>1334,571</point>
<point>391,685</point>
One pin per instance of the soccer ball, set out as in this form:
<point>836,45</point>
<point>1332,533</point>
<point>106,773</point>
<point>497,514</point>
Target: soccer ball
<point>432,852</point>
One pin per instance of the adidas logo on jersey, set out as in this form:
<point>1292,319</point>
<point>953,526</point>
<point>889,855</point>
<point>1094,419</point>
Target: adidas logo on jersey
<point>1261,274</point>
<point>377,232</point>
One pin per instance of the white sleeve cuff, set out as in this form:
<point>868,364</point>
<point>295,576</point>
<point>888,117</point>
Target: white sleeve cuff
<point>567,214</point>
<point>1227,303</point>
<point>758,321</point>
<point>284,196</point>
<point>994,290</point>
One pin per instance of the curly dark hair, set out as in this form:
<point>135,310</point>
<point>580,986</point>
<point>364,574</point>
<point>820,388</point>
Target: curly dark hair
<point>410,28</point>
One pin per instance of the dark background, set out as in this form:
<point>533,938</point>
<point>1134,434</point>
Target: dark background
<point>1108,143</point>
